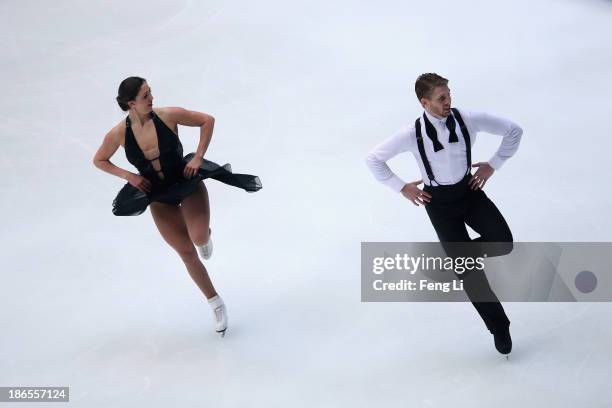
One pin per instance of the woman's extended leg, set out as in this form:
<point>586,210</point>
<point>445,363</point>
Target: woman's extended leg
<point>171,225</point>
<point>196,212</point>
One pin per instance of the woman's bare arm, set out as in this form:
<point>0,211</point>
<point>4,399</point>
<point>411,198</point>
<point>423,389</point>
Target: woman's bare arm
<point>108,148</point>
<point>102,161</point>
<point>204,121</point>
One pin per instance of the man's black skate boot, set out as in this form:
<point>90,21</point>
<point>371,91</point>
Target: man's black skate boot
<point>503,341</point>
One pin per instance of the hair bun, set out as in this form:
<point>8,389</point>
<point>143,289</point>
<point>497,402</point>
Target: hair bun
<point>128,90</point>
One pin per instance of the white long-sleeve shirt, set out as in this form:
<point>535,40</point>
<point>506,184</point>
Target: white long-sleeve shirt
<point>448,165</point>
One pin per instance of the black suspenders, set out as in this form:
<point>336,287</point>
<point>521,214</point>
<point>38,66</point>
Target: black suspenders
<point>419,137</point>
<point>466,138</point>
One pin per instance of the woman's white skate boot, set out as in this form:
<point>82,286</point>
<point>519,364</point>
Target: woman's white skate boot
<point>220,312</point>
<point>205,250</point>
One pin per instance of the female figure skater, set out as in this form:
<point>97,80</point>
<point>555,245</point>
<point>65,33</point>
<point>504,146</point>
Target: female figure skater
<point>168,182</point>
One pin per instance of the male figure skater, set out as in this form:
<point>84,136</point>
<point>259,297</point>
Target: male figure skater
<point>441,141</point>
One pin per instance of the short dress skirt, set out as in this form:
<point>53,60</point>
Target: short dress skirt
<point>131,201</point>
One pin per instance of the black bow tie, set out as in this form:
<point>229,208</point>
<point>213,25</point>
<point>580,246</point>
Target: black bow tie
<point>451,125</point>
<point>433,135</point>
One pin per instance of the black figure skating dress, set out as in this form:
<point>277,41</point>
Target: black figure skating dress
<point>173,187</point>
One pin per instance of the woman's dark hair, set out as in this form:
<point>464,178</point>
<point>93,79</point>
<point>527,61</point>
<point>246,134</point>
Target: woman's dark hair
<point>128,90</point>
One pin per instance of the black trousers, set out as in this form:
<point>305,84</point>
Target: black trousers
<point>450,209</point>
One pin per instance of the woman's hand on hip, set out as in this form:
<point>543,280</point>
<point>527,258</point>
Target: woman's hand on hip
<point>139,182</point>
<point>191,168</point>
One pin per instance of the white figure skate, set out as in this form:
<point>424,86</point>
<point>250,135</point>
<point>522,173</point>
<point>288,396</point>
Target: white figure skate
<point>205,250</point>
<point>220,312</point>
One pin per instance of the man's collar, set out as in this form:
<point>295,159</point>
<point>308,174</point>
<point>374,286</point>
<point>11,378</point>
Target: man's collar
<point>433,119</point>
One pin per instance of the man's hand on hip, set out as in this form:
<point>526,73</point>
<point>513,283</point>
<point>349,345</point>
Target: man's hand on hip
<point>415,194</point>
<point>484,172</point>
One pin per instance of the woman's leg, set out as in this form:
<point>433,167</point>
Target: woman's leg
<point>196,212</point>
<point>171,225</point>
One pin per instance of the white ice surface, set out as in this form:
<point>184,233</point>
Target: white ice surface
<point>300,90</point>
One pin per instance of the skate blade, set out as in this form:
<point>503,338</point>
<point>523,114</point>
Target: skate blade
<point>222,332</point>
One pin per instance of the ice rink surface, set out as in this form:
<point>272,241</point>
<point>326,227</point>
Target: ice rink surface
<point>300,92</point>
